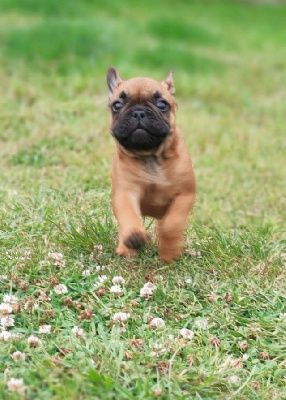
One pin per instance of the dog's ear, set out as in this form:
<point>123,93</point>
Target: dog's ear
<point>113,80</point>
<point>169,83</point>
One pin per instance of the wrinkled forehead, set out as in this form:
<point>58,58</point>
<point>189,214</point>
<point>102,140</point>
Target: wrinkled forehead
<point>141,89</point>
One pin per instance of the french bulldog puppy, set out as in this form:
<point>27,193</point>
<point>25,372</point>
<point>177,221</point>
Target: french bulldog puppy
<point>152,173</point>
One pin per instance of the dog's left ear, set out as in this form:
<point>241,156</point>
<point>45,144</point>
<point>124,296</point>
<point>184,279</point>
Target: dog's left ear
<point>169,83</point>
<point>113,80</point>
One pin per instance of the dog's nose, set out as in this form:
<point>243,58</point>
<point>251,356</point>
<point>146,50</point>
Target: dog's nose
<point>138,114</point>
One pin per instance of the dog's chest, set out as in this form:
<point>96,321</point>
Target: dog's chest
<point>151,166</point>
<point>154,176</point>
<point>157,188</point>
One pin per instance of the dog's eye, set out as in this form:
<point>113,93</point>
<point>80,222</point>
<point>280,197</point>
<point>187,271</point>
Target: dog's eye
<point>162,105</point>
<point>116,106</point>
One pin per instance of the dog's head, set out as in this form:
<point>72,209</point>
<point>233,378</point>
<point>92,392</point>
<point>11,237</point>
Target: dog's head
<point>142,110</point>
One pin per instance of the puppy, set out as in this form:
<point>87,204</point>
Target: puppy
<point>152,174</point>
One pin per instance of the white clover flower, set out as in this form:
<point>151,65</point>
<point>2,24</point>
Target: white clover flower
<point>118,280</point>
<point>5,308</point>
<point>98,248</point>
<point>236,363</point>
<point>157,323</point>
<point>101,279</point>
<point>16,336</point>
<point>43,296</point>
<point>194,253</point>
<point>116,289</point>
<point>56,256</point>
<point>188,281</point>
<point>10,299</point>
<point>234,380</point>
<point>283,315</point>
<point>226,363</point>
<point>60,289</point>
<point>121,316</point>
<point>7,321</point>
<point>99,268</point>
<point>79,332</point>
<point>27,254</point>
<point>45,329</point>
<point>30,305</point>
<point>58,259</point>
<point>187,333</point>
<point>18,356</point>
<point>147,290</point>
<point>86,272</point>
<point>157,391</point>
<point>201,323</point>
<point>33,341</point>
<point>212,297</point>
<point>5,336</point>
<point>16,385</point>
<point>3,277</point>
<point>171,337</point>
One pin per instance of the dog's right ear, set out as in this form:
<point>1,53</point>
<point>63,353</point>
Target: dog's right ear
<point>113,80</point>
<point>169,83</point>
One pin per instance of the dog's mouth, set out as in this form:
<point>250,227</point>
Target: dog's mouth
<point>143,134</point>
<point>140,132</point>
<point>140,139</point>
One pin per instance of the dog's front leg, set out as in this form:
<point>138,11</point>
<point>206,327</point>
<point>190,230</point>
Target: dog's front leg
<point>132,235</point>
<point>170,228</point>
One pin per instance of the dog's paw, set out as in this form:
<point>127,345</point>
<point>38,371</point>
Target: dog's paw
<point>123,251</point>
<point>136,240</point>
<point>169,254</point>
<point>168,258</point>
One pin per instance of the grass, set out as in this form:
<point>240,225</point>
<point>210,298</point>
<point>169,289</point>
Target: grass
<point>55,153</point>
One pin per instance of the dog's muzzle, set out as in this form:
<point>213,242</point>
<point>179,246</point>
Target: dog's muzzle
<point>140,128</point>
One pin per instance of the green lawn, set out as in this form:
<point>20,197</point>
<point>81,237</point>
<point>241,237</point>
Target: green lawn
<point>229,61</point>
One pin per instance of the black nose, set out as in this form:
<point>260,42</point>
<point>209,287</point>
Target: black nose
<point>138,114</point>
